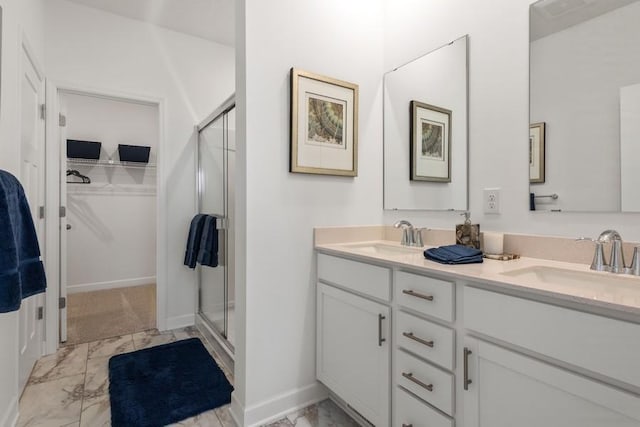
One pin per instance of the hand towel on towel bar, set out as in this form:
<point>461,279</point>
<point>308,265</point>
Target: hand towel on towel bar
<point>193,241</point>
<point>208,251</point>
<point>454,254</point>
<point>21,270</point>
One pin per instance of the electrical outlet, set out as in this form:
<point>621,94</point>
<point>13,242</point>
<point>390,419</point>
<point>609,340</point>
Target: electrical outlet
<point>491,200</point>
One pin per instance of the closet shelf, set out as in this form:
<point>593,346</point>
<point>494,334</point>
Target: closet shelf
<point>110,163</point>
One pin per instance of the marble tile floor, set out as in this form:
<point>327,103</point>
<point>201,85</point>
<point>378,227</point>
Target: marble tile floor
<point>71,388</point>
<point>323,414</point>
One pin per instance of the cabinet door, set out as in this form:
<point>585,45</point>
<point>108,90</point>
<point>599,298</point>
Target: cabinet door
<point>353,351</point>
<point>509,389</point>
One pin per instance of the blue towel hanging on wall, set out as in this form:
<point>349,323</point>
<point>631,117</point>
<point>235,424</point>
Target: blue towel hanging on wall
<point>21,270</point>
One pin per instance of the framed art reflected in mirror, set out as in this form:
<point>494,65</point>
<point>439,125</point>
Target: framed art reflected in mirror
<point>430,153</point>
<point>536,152</point>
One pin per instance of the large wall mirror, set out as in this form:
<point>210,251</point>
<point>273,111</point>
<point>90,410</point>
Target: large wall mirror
<point>585,105</point>
<point>425,131</point>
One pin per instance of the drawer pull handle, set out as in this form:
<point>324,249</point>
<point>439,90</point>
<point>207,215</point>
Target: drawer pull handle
<point>410,377</point>
<point>380,339</point>
<point>417,295</point>
<point>420,340</point>
<point>466,380</point>
<point>407,425</point>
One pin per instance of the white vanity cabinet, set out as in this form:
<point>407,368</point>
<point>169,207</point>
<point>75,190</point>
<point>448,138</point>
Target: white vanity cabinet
<point>509,389</point>
<point>465,353</point>
<point>541,380</point>
<point>353,335</point>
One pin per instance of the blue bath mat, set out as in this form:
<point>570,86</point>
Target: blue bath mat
<point>165,384</point>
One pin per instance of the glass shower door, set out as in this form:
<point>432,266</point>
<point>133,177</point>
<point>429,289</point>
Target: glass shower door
<point>212,176</point>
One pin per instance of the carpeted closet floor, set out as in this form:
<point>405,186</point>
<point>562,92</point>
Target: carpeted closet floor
<point>110,313</point>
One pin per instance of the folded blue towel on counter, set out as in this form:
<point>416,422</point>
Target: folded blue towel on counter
<point>21,270</point>
<point>208,250</point>
<point>454,254</point>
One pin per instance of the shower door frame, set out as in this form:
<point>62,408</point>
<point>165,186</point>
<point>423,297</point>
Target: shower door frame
<point>228,105</point>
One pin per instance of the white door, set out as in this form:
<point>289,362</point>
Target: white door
<point>32,177</point>
<point>353,351</point>
<point>509,389</point>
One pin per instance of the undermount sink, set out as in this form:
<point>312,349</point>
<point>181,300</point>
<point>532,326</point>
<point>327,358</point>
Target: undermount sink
<point>580,279</point>
<point>384,249</point>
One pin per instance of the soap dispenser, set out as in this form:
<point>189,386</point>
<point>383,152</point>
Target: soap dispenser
<point>468,234</point>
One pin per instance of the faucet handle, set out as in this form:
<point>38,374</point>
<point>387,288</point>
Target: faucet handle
<point>599,262</point>
<point>417,237</point>
<point>617,264</point>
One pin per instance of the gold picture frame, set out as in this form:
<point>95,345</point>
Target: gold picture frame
<point>430,145</point>
<point>324,125</point>
<point>537,153</point>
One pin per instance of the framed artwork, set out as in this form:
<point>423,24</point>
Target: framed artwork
<point>430,150</point>
<point>324,125</point>
<point>536,152</point>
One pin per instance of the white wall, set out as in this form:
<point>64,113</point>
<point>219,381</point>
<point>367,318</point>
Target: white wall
<point>275,345</point>
<point>576,76</point>
<point>192,76</point>
<point>498,114</point>
<point>20,17</point>
<point>112,242</point>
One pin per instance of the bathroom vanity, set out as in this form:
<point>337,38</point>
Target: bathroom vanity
<point>528,343</point>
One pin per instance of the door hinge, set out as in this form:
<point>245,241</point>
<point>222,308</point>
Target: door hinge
<point>62,120</point>
<point>40,313</point>
<point>62,303</point>
<point>63,211</point>
<point>43,111</point>
<point>41,212</point>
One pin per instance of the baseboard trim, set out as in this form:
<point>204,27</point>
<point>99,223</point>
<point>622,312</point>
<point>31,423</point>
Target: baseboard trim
<point>280,406</point>
<point>236,410</point>
<point>99,286</point>
<point>10,417</point>
<point>183,321</point>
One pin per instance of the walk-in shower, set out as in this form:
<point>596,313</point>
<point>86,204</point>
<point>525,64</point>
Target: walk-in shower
<point>216,196</point>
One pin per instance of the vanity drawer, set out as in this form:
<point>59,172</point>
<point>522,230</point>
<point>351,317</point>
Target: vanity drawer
<point>433,297</point>
<point>429,383</point>
<point>426,339</point>
<point>410,411</point>
<point>360,277</point>
<point>599,344</point>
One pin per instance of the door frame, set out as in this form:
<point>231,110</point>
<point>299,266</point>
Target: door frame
<point>53,203</point>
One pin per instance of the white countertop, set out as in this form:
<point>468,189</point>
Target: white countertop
<point>616,292</point>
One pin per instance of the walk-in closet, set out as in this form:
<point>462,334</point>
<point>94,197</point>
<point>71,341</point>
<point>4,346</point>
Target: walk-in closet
<point>109,154</point>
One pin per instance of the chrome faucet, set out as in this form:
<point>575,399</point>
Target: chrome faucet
<point>411,236</point>
<point>407,232</point>
<point>616,260</point>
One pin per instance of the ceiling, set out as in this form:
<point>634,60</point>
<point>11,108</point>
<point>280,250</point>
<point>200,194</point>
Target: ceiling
<point>551,16</point>
<point>208,19</point>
